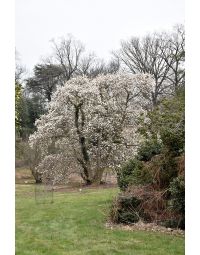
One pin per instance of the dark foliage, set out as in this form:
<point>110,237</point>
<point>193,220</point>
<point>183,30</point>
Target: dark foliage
<point>125,209</point>
<point>31,110</point>
<point>132,172</point>
<point>177,190</point>
<point>159,164</point>
<point>148,150</point>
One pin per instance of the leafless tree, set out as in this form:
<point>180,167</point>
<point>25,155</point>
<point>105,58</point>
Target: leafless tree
<point>86,64</point>
<point>98,66</point>
<point>144,56</point>
<point>67,53</point>
<point>19,68</point>
<point>174,56</point>
<point>113,66</point>
<point>161,55</point>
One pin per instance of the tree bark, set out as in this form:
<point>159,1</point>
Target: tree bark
<point>37,176</point>
<point>98,176</point>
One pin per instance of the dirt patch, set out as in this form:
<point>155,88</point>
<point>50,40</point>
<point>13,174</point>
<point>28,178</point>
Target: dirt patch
<point>150,227</point>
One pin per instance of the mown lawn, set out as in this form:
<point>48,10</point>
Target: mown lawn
<point>75,225</point>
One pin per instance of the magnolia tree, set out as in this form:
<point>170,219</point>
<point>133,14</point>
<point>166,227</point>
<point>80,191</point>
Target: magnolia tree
<point>90,126</point>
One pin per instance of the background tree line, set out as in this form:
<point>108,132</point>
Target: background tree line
<point>160,54</point>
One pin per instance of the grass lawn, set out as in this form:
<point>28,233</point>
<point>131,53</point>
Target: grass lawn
<point>75,225</point>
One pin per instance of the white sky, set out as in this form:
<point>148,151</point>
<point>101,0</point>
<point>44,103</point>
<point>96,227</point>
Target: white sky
<point>99,24</point>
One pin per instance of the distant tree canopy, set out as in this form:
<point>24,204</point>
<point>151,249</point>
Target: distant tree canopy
<point>32,110</point>
<point>45,80</point>
<point>27,111</point>
<point>161,55</point>
<point>68,54</point>
<point>98,67</point>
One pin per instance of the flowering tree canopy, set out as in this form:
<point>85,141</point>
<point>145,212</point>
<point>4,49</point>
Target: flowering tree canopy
<point>90,126</point>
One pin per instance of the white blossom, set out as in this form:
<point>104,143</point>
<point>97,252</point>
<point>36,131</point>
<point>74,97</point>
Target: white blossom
<point>90,125</point>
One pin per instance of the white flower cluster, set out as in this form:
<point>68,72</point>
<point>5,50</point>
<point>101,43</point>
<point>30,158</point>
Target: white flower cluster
<point>90,125</point>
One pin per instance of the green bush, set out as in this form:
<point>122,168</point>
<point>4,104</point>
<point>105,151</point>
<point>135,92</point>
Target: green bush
<point>166,121</point>
<point>168,170</point>
<point>127,217</point>
<point>177,202</point>
<point>133,172</point>
<point>177,190</point>
<point>148,150</point>
<point>158,165</point>
<point>125,209</point>
<point>174,140</point>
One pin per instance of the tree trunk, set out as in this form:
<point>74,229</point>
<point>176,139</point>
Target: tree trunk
<point>98,176</point>
<point>37,176</point>
<point>38,180</point>
<point>96,179</point>
<point>88,182</point>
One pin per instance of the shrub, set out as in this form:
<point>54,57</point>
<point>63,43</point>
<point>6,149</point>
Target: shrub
<point>166,121</point>
<point>158,165</point>
<point>163,168</point>
<point>133,172</point>
<point>177,189</point>
<point>148,150</point>
<point>124,174</point>
<point>140,203</point>
<point>173,140</point>
<point>177,202</point>
<point>125,209</point>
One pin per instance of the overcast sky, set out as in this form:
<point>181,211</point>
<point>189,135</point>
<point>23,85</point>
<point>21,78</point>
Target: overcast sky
<point>99,24</point>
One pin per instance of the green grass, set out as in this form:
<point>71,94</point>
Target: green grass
<point>75,225</point>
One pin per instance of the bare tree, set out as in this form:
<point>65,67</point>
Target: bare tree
<point>19,68</point>
<point>98,66</point>
<point>174,56</point>
<point>86,64</point>
<point>161,55</point>
<point>113,66</point>
<point>68,60</point>
<point>144,56</point>
<point>68,54</point>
